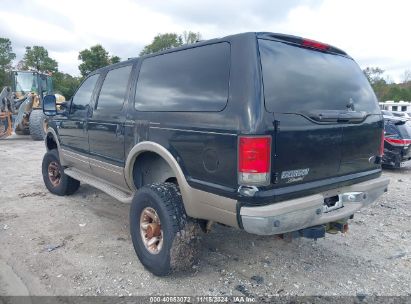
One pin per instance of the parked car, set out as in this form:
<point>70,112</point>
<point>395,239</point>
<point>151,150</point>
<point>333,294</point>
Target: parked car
<point>386,113</point>
<point>269,133</point>
<point>397,143</point>
<point>400,114</point>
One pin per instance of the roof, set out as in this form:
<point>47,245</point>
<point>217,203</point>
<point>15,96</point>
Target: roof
<point>251,35</point>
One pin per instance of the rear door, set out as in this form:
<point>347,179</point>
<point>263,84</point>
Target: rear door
<point>320,105</point>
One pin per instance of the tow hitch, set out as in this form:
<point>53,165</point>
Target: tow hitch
<point>335,227</point>
<point>317,232</point>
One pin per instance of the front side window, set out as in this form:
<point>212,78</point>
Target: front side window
<point>194,79</point>
<point>114,90</point>
<point>82,98</point>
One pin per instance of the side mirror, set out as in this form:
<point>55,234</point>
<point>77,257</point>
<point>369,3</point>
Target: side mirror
<point>49,105</point>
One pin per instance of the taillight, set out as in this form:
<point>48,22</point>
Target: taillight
<point>315,44</point>
<point>398,142</point>
<point>254,155</point>
<point>382,143</point>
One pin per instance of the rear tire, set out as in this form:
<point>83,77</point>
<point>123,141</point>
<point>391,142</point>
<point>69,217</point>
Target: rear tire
<point>177,236</point>
<point>56,181</point>
<point>38,125</point>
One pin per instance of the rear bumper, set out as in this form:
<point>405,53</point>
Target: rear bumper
<point>296,214</point>
<point>395,157</point>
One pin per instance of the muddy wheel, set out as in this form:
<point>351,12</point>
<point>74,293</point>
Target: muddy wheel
<point>38,125</point>
<point>56,181</point>
<point>164,238</point>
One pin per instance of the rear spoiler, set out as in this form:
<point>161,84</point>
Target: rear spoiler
<point>303,42</point>
<point>396,121</point>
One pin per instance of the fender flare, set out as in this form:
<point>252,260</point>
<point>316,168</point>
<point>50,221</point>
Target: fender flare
<point>149,146</point>
<point>54,135</point>
<point>52,132</point>
<point>197,203</point>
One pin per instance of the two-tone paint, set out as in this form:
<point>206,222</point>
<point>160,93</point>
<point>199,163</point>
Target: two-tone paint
<point>201,147</point>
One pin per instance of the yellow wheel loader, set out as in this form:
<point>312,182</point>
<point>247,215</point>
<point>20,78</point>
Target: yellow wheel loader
<point>21,105</point>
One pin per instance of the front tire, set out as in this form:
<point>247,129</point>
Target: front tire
<point>164,238</point>
<point>56,181</point>
<point>38,124</point>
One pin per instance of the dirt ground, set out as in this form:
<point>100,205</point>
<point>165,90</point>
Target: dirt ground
<point>80,245</point>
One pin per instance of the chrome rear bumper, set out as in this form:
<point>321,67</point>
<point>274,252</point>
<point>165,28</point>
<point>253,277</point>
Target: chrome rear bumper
<point>296,214</point>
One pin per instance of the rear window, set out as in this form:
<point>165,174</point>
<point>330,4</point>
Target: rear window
<point>405,130</point>
<point>298,79</point>
<point>402,130</point>
<point>195,79</point>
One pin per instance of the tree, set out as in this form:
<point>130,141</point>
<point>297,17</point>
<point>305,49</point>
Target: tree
<point>374,74</point>
<point>94,58</point>
<point>6,57</point>
<point>115,59</point>
<point>162,42</point>
<point>377,81</point>
<point>65,84</point>
<point>397,93</point>
<point>406,77</point>
<point>190,37</point>
<point>166,41</point>
<point>37,58</point>
<point>6,53</point>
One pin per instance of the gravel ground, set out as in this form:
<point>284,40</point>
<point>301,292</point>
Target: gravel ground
<point>80,245</point>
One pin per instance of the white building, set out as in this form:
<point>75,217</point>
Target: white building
<point>403,106</point>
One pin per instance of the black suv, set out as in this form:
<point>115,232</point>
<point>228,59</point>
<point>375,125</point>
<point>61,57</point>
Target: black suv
<point>270,133</point>
<point>397,145</point>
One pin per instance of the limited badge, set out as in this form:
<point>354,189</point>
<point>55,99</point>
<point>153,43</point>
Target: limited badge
<point>293,176</point>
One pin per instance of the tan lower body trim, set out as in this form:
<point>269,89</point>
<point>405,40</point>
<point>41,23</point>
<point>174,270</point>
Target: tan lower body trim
<point>213,207</point>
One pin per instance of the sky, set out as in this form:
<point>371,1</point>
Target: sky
<point>373,32</point>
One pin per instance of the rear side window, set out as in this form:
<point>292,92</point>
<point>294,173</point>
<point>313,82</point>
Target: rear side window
<point>195,79</point>
<point>81,99</point>
<point>297,80</point>
<point>114,90</point>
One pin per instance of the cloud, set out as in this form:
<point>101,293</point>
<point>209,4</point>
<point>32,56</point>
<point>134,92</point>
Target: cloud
<point>370,31</point>
<point>228,15</point>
